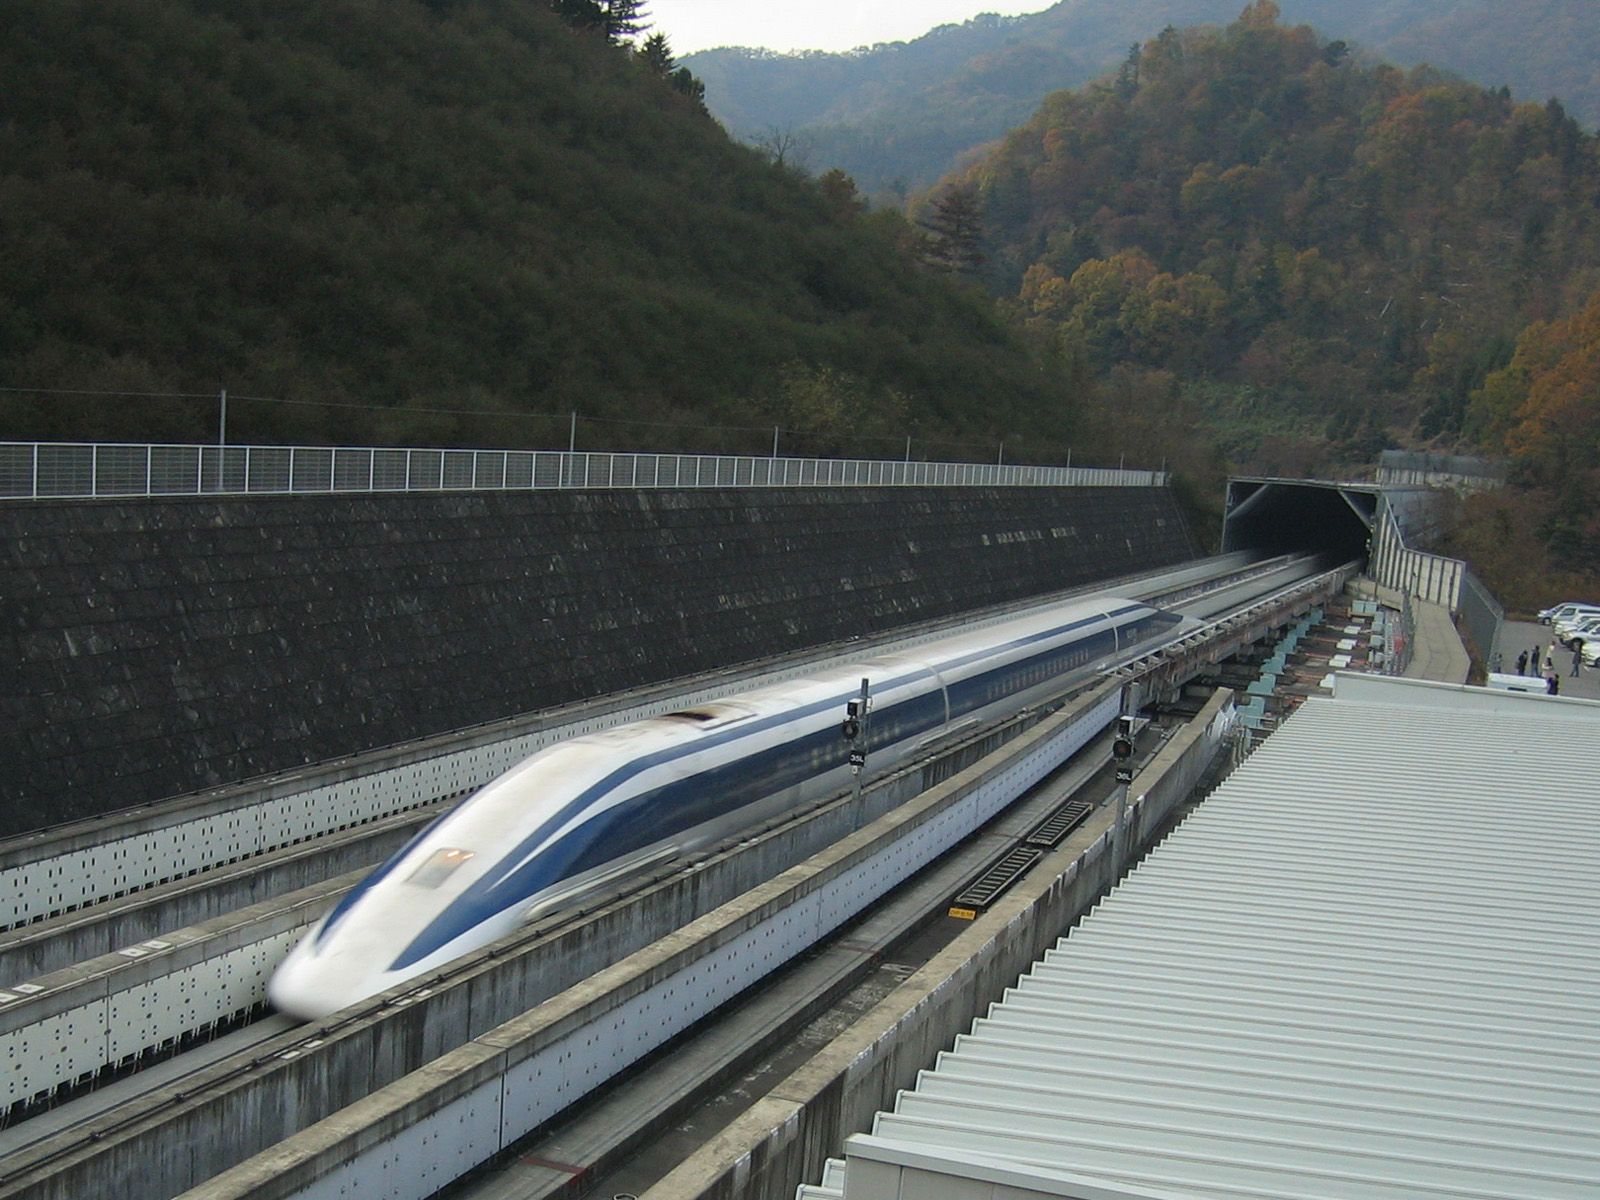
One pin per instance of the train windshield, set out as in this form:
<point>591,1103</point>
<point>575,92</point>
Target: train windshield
<point>440,865</point>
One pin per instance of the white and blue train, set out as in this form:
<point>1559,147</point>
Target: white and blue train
<point>582,813</point>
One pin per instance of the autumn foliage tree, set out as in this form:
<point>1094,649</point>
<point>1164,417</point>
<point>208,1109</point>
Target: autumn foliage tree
<point>1543,407</point>
<point>1539,542</point>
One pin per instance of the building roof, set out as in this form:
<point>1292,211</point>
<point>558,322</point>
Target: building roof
<point>1367,967</point>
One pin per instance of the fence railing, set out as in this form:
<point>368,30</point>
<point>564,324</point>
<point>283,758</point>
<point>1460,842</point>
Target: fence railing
<point>57,470</point>
<point>1435,578</point>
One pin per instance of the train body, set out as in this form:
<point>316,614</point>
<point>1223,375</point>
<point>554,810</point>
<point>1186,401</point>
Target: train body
<point>582,813</point>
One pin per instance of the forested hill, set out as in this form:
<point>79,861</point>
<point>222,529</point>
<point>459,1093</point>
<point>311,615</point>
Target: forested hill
<point>1247,230</point>
<point>897,116</point>
<point>387,218</point>
<point>1253,212</point>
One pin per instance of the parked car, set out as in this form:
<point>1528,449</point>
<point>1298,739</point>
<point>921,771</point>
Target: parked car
<point>1562,612</point>
<point>1591,652</point>
<point>1581,630</point>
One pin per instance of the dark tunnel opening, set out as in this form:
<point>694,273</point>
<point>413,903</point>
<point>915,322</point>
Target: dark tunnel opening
<point>1291,517</point>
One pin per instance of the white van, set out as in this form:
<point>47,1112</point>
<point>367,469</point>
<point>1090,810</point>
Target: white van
<point>1567,612</point>
<point>1516,683</point>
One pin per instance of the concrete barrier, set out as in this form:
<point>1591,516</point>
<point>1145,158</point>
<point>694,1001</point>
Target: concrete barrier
<point>41,947</point>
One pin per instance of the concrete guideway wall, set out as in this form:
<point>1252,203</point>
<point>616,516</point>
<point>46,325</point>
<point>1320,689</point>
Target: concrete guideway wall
<point>164,646</point>
<point>89,862</point>
<point>74,1023</point>
<point>561,1047</point>
<point>785,1139</point>
<point>41,947</point>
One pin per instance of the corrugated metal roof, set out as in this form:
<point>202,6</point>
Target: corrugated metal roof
<point>1366,968</point>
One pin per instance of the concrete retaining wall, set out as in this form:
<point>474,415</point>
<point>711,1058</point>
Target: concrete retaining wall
<point>158,647</point>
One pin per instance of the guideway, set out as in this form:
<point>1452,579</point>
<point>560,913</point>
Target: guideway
<point>365,1045</point>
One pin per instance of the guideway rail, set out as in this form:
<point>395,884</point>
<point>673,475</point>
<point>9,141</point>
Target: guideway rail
<point>499,1074</point>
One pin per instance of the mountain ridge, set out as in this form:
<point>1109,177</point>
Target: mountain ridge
<point>898,116</point>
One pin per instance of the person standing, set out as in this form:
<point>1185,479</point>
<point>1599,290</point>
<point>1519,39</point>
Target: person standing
<point>1577,659</point>
<point>1533,660</point>
<point>1522,663</point>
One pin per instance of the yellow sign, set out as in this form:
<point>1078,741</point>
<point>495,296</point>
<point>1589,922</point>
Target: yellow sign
<point>964,914</point>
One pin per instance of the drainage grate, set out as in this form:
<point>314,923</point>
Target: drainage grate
<point>1049,832</point>
<point>982,891</point>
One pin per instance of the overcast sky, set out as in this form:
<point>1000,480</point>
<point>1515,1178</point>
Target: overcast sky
<point>692,25</point>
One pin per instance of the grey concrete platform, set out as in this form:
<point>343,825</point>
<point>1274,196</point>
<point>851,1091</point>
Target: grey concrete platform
<point>1437,652</point>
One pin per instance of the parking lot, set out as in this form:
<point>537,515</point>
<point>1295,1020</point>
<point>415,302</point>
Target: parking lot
<point>1517,636</point>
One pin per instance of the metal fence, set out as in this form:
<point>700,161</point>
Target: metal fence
<point>1433,577</point>
<point>1482,618</point>
<point>55,470</point>
<point>1394,564</point>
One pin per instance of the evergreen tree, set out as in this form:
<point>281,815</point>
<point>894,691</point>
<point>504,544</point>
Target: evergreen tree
<point>657,54</point>
<point>955,230</point>
<point>619,20</point>
<point>624,19</point>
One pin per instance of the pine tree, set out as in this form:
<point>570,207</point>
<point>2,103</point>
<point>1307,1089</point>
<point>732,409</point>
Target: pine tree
<point>624,19</point>
<point>955,228</point>
<point>657,54</point>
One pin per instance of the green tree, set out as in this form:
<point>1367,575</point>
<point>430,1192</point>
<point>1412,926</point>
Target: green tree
<point>954,224</point>
<point>624,19</point>
<point>656,54</point>
<point>840,195</point>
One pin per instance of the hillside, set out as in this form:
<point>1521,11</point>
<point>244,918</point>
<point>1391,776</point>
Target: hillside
<point>898,116</point>
<point>386,220</point>
<point>1251,213</point>
<point>1248,244</point>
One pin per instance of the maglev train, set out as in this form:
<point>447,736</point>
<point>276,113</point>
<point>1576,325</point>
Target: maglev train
<point>584,812</point>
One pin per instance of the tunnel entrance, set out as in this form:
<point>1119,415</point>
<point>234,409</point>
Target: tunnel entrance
<point>1297,516</point>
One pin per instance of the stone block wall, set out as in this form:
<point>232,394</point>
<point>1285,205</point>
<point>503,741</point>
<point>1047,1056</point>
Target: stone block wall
<point>154,647</point>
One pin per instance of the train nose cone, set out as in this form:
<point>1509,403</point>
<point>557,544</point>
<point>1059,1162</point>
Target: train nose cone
<point>314,982</point>
<point>298,991</point>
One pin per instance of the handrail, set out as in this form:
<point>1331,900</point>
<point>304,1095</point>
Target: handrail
<point>82,470</point>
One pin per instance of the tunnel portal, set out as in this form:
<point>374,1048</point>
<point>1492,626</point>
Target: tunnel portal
<point>1298,516</point>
